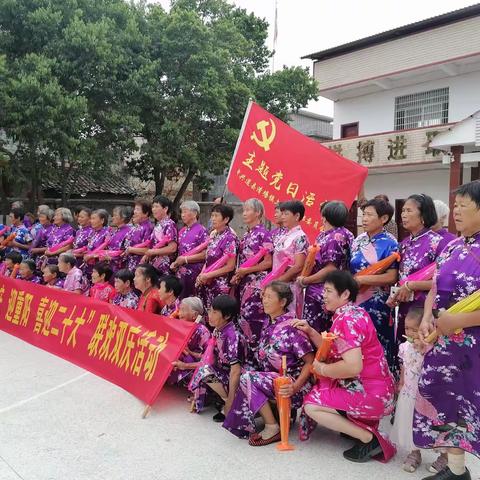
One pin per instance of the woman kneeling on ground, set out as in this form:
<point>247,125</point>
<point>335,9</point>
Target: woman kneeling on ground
<point>355,388</point>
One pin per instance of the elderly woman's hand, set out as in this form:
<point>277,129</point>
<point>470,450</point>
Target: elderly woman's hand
<point>303,326</point>
<point>318,367</point>
<point>287,390</point>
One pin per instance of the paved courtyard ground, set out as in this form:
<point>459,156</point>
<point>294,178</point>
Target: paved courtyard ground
<point>58,422</point>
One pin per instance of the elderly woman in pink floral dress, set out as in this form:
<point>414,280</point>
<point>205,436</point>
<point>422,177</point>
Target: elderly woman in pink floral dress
<point>356,389</point>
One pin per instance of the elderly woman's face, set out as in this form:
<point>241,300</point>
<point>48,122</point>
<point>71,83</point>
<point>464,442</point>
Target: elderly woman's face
<point>271,302</point>
<point>371,222</point>
<point>117,220</point>
<point>411,216</point>
<point>43,219</point>
<point>96,221</point>
<point>218,222</point>
<point>332,299</point>
<point>58,218</point>
<point>250,215</point>
<point>140,281</point>
<point>83,218</point>
<point>188,216</point>
<point>466,215</point>
<point>278,217</point>
<point>185,312</point>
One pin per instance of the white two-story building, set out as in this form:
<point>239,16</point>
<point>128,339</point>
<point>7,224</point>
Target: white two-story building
<point>395,91</point>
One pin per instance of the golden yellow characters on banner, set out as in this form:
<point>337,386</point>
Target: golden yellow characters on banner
<point>266,140</point>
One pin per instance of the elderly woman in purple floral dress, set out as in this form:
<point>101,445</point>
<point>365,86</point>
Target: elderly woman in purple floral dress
<point>83,233</point>
<point>224,242</point>
<point>292,247</point>
<point>61,231</point>
<point>334,242</point>
<point>447,410</point>
<point>253,319</point>
<point>191,310</point>
<point>39,244</point>
<point>100,235</point>
<point>279,231</point>
<point>190,236</point>
<point>256,389</point>
<point>417,251</point>
<point>138,234</point>
<point>125,296</point>
<point>163,242</point>
<point>121,217</point>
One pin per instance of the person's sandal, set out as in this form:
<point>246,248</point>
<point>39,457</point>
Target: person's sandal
<point>256,440</point>
<point>412,462</point>
<point>438,465</point>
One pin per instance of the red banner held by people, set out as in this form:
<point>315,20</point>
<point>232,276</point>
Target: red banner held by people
<point>274,162</point>
<point>131,349</point>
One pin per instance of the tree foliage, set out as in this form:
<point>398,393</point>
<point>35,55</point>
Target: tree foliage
<point>86,83</point>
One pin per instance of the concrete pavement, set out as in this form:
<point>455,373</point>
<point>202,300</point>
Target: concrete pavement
<point>58,422</point>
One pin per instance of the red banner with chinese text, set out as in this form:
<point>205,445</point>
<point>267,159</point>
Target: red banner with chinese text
<point>274,162</point>
<point>131,349</point>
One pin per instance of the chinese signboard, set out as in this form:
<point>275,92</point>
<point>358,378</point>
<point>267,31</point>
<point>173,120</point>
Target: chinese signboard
<point>132,349</point>
<point>275,163</point>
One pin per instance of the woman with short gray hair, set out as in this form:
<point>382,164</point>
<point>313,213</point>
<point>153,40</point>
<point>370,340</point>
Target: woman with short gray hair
<point>252,318</point>
<point>190,310</point>
<point>443,212</point>
<point>190,236</point>
<point>61,233</point>
<point>98,239</point>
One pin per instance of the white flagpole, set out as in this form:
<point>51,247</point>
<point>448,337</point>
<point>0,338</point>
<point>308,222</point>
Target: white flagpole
<point>275,34</point>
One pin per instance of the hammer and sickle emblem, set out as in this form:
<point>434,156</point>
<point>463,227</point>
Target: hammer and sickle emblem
<point>265,139</point>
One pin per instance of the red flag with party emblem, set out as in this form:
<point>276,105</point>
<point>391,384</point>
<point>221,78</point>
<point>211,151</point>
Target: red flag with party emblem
<point>274,162</point>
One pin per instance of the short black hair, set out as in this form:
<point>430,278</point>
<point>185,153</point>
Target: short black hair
<point>125,275</point>
<point>224,210</point>
<point>335,213</point>
<point>15,257</point>
<point>342,281</point>
<point>18,213</point>
<point>381,207</point>
<point>103,214</point>
<point>102,268</point>
<point>426,207</point>
<point>283,291</point>
<point>172,284</point>
<point>227,305</point>
<point>30,264</point>
<point>293,206</point>
<point>164,202</point>
<point>471,190</point>
<point>150,273</point>
<point>82,208</point>
<point>68,258</point>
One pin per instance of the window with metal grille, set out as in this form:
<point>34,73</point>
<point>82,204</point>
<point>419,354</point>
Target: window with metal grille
<point>421,109</point>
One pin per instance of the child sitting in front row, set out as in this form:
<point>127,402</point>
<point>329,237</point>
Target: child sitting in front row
<point>125,296</point>
<point>102,288</point>
<point>411,355</point>
<point>223,376</point>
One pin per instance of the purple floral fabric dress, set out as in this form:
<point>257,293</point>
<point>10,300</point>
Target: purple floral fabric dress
<point>58,234</point>
<point>117,242</point>
<point>188,238</point>
<point>229,350</point>
<point>163,231</point>
<point>82,236</point>
<point>220,244</point>
<point>127,300</point>
<point>252,319</point>
<point>256,386</point>
<point>447,409</point>
<point>40,241</point>
<point>335,245</point>
<point>446,236</point>
<point>197,344</point>
<point>291,243</point>
<point>137,234</point>
<point>97,238</point>
<point>276,234</point>
<point>416,253</point>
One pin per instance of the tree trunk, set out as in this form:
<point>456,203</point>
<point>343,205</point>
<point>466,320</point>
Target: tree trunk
<point>4,204</point>
<point>183,188</point>
<point>34,199</point>
<point>159,179</point>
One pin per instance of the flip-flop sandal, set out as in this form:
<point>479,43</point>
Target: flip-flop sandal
<point>256,440</point>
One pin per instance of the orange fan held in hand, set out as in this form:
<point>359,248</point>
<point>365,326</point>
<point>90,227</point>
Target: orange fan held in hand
<point>324,349</point>
<point>284,405</point>
<point>310,260</point>
<point>378,267</point>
